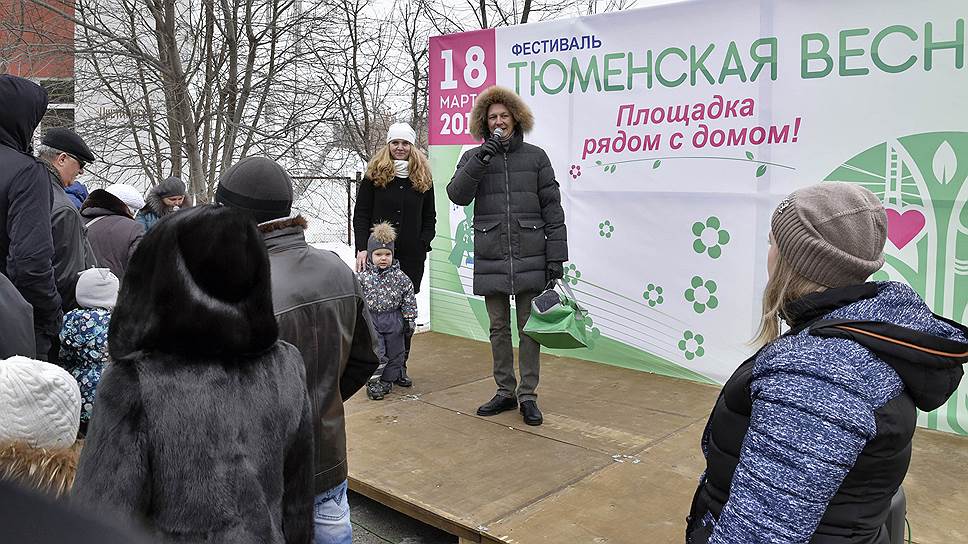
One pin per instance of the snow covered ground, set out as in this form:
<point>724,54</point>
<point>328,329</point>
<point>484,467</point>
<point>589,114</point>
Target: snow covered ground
<point>423,297</point>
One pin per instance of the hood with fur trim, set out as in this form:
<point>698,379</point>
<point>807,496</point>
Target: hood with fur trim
<point>198,285</point>
<point>101,202</point>
<point>523,118</point>
<point>173,186</point>
<point>282,224</point>
<point>50,471</point>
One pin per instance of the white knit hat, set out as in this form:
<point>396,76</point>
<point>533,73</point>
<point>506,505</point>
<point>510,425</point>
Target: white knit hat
<point>127,194</point>
<point>40,403</point>
<point>97,288</point>
<point>402,131</point>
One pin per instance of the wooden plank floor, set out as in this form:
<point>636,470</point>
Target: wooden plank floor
<point>616,460</point>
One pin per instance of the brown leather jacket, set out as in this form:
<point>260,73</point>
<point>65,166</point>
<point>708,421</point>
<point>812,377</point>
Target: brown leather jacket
<point>320,310</point>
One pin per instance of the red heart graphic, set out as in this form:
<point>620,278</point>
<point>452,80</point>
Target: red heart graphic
<point>902,228</point>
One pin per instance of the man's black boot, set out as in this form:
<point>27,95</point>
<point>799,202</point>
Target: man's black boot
<point>497,405</point>
<point>532,416</point>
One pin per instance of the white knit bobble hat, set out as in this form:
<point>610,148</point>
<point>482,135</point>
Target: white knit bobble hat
<point>402,131</point>
<point>40,404</point>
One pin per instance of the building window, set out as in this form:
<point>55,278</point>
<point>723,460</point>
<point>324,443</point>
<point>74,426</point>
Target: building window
<point>60,104</point>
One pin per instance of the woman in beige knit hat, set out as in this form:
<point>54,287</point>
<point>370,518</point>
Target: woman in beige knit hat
<point>811,437</point>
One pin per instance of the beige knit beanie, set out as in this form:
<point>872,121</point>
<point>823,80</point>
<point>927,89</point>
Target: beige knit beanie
<point>831,233</point>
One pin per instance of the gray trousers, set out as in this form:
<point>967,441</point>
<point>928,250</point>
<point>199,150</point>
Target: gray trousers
<point>390,346</point>
<point>529,351</point>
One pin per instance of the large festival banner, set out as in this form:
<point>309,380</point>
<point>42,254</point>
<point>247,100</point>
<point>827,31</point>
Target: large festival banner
<point>675,130</point>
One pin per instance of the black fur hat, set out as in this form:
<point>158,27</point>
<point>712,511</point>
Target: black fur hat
<point>198,284</point>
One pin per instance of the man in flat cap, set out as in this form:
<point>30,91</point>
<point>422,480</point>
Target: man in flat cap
<point>66,155</point>
<point>26,247</point>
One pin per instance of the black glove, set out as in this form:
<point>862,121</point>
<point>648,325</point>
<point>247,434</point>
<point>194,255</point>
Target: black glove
<point>409,325</point>
<point>492,146</point>
<point>555,271</point>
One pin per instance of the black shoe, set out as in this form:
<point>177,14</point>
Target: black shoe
<point>374,390</point>
<point>497,405</point>
<point>532,416</point>
<point>404,381</point>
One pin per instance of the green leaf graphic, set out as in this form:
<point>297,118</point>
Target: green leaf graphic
<point>761,170</point>
<point>749,155</point>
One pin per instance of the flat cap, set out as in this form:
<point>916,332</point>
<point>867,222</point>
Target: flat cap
<point>69,142</point>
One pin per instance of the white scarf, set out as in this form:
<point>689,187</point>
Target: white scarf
<point>401,169</point>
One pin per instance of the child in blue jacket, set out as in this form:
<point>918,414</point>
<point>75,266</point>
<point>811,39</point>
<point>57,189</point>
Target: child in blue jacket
<point>84,336</point>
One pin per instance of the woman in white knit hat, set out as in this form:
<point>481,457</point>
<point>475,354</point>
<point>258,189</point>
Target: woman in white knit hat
<point>39,412</point>
<point>111,229</point>
<point>398,189</point>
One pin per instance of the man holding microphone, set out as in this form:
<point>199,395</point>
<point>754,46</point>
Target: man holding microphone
<point>520,240</point>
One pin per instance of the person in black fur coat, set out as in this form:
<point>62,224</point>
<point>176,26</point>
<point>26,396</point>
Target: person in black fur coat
<point>203,430</point>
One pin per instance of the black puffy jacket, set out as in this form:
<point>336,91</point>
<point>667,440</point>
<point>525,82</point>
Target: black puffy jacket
<point>519,225</point>
<point>26,197</point>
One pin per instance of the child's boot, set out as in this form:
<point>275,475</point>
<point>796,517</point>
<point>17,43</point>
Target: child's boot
<point>375,390</point>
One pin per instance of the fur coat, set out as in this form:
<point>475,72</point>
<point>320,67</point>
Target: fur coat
<point>202,429</point>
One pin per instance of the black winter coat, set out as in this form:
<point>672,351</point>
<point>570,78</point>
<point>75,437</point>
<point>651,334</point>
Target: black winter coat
<point>26,197</point>
<point>411,213</point>
<point>319,306</point>
<point>519,225</point>
<point>71,253</point>
<point>114,236</point>
<point>16,322</point>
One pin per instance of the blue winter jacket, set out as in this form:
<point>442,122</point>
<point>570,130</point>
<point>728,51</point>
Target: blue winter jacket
<point>77,193</point>
<point>811,437</point>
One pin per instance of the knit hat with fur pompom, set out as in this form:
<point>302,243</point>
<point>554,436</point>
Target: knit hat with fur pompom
<point>383,237</point>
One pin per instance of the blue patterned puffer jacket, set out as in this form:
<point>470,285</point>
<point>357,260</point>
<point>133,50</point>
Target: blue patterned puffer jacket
<point>84,351</point>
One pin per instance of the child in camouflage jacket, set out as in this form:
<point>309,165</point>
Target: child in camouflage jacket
<point>389,297</point>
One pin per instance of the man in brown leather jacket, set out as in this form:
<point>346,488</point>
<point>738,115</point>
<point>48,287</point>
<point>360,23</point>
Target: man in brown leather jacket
<point>320,309</point>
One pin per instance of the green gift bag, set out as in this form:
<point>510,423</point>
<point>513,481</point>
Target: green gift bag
<point>557,321</point>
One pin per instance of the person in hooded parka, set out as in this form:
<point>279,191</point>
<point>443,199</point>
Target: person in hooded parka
<point>520,238</point>
<point>26,197</point>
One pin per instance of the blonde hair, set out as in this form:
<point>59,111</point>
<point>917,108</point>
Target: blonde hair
<point>784,286</point>
<point>381,172</point>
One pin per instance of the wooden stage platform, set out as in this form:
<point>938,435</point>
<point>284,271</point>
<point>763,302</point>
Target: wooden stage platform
<point>616,460</point>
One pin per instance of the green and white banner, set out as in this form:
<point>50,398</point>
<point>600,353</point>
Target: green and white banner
<point>675,130</point>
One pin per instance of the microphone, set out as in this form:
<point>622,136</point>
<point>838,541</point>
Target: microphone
<point>498,133</point>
